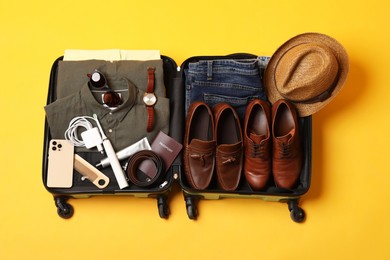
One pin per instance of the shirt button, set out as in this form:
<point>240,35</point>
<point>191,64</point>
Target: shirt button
<point>110,113</point>
<point>110,130</point>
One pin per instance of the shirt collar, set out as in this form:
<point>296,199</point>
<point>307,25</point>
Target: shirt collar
<point>101,110</point>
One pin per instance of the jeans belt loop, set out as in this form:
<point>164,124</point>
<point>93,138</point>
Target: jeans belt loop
<point>209,70</point>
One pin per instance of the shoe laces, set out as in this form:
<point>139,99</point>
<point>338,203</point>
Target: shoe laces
<point>285,149</point>
<point>285,145</point>
<point>256,150</point>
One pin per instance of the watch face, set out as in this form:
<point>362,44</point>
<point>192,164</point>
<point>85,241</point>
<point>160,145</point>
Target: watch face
<point>150,99</point>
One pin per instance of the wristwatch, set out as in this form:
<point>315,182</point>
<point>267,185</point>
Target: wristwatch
<point>150,99</point>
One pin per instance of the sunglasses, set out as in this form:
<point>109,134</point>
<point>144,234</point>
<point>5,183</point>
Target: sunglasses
<point>98,81</point>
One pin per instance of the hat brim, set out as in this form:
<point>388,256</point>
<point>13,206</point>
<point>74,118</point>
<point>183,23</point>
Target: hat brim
<point>306,109</point>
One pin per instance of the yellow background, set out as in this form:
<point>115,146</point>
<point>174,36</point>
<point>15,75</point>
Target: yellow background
<point>347,205</point>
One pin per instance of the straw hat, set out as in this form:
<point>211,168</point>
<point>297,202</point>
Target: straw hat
<point>308,70</point>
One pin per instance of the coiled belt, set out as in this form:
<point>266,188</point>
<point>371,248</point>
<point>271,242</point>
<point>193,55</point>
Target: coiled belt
<point>140,178</point>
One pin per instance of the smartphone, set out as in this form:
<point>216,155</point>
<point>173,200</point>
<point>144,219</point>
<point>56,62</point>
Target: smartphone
<point>60,164</point>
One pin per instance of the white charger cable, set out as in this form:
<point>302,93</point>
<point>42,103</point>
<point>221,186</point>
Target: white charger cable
<point>90,137</point>
<point>94,136</point>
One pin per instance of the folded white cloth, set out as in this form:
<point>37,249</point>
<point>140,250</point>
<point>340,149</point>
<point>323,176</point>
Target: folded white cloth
<point>111,55</point>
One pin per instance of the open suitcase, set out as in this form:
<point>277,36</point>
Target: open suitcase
<point>82,188</point>
<point>174,80</point>
<point>271,193</point>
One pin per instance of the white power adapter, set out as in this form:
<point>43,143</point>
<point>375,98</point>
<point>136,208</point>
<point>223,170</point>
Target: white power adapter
<point>92,138</point>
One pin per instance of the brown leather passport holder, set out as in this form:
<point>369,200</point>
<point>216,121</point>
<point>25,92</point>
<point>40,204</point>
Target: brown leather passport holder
<point>167,148</point>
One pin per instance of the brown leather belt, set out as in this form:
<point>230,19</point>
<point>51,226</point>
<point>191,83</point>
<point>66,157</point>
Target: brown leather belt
<point>138,177</point>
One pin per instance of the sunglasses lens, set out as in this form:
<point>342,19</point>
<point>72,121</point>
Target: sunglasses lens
<point>97,80</point>
<point>112,99</point>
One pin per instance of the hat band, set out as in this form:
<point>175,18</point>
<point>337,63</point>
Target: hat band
<point>321,97</point>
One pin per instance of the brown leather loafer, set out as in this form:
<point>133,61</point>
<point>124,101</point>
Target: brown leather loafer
<point>257,143</point>
<point>199,146</point>
<point>287,154</point>
<point>229,152</point>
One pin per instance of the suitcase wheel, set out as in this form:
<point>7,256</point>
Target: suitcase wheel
<point>297,214</point>
<point>163,208</point>
<point>192,210</point>
<point>64,209</point>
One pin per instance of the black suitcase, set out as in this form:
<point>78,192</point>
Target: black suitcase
<point>271,193</point>
<point>174,80</point>
<point>82,188</point>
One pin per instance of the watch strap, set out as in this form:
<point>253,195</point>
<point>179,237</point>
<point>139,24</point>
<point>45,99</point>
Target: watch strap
<point>150,124</point>
<point>150,87</point>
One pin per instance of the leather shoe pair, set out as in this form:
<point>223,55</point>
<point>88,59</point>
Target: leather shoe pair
<point>209,145</point>
<point>285,159</point>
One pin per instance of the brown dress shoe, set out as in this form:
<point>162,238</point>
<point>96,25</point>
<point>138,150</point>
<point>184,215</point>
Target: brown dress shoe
<point>199,146</point>
<point>287,153</point>
<point>229,152</point>
<point>257,143</point>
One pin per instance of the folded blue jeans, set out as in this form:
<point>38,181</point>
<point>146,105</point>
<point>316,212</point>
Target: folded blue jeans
<point>235,82</point>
